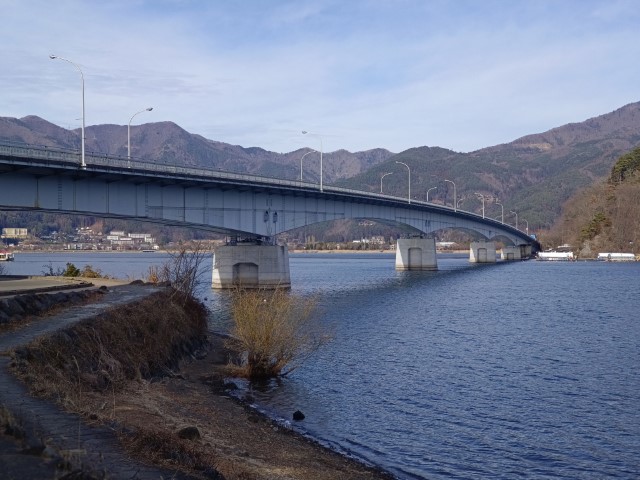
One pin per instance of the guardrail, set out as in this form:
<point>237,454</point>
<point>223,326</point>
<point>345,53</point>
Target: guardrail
<point>101,160</point>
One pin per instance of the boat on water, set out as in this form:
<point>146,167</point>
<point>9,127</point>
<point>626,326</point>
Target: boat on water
<point>6,256</point>
<point>556,256</point>
<point>616,257</point>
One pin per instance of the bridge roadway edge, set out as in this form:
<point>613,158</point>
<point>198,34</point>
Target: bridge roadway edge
<point>45,179</point>
<point>41,419</point>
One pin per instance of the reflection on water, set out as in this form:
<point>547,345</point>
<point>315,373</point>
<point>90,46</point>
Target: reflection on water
<point>527,369</point>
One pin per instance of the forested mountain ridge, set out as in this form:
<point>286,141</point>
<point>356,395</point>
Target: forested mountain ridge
<point>533,175</point>
<point>166,142</point>
<point>606,216</point>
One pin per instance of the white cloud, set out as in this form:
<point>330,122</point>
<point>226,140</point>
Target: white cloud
<point>363,74</point>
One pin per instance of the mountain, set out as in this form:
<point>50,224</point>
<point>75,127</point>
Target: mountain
<point>604,217</point>
<point>532,176</point>
<point>166,142</point>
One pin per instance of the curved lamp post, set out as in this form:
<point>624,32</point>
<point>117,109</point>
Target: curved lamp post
<point>502,211</point>
<point>455,207</point>
<point>310,151</point>
<point>129,132</point>
<point>516,218</point>
<point>384,175</point>
<point>432,188</point>
<point>54,57</point>
<point>304,132</point>
<point>481,197</point>
<point>409,178</point>
<point>524,220</point>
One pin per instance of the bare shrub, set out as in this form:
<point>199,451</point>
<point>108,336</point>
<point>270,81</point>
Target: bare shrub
<point>183,270</point>
<point>273,332</point>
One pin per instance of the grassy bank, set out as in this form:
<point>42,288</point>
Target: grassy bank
<point>146,373</point>
<point>87,367</point>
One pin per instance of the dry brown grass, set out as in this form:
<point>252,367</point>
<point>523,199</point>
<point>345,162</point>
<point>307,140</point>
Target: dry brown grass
<point>167,449</point>
<point>273,332</point>
<point>86,367</point>
<point>102,354</point>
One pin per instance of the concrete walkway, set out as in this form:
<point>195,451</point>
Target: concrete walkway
<point>96,447</point>
<point>18,284</point>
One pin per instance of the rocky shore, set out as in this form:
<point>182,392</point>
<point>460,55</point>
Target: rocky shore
<point>180,423</point>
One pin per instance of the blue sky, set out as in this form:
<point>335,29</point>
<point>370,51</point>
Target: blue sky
<point>359,74</point>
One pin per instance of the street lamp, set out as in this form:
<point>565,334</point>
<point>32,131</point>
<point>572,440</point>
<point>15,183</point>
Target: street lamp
<point>311,151</point>
<point>502,210</point>
<point>304,132</point>
<point>54,57</point>
<point>455,208</point>
<point>516,218</point>
<point>409,170</point>
<point>384,175</point>
<point>432,188</point>
<point>129,132</point>
<point>459,202</point>
<point>481,197</point>
<point>525,220</point>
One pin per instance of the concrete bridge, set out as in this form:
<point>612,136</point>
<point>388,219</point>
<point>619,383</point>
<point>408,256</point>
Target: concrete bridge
<point>252,210</point>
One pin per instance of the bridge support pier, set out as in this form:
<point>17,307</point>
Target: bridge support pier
<point>416,254</point>
<point>251,266</point>
<point>482,252</point>
<point>510,254</point>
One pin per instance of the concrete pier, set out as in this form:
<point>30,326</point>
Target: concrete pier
<point>416,254</point>
<point>510,254</point>
<point>251,266</point>
<point>482,252</point>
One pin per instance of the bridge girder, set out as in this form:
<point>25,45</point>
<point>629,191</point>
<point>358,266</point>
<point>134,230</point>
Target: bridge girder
<point>218,202</point>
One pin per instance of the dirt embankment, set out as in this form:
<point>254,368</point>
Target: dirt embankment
<point>149,374</point>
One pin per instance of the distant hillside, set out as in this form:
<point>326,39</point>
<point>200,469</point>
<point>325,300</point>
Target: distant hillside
<point>606,216</point>
<point>167,142</point>
<point>533,175</point>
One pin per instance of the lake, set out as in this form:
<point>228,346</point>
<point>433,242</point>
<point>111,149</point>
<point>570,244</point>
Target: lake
<point>513,370</point>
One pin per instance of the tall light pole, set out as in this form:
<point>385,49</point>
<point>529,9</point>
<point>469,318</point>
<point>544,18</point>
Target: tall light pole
<point>129,131</point>
<point>481,197</point>
<point>409,178</point>
<point>311,151</point>
<point>384,175</point>
<point>432,188</point>
<point>455,207</point>
<point>502,210</point>
<point>525,220</point>
<point>516,218</point>
<point>459,202</point>
<point>304,132</point>
<point>54,57</point>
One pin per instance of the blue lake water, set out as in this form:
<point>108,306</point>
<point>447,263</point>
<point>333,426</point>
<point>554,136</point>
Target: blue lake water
<point>518,370</point>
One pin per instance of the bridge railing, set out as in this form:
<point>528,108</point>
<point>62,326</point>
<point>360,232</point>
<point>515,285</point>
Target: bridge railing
<point>102,160</point>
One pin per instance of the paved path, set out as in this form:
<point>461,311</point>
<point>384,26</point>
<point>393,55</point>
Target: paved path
<point>16,285</point>
<point>43,420</point>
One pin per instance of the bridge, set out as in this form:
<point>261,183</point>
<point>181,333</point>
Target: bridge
<point>252,210</point>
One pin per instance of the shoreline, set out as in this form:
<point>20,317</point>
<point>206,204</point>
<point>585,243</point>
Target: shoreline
<point>240,440</point>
